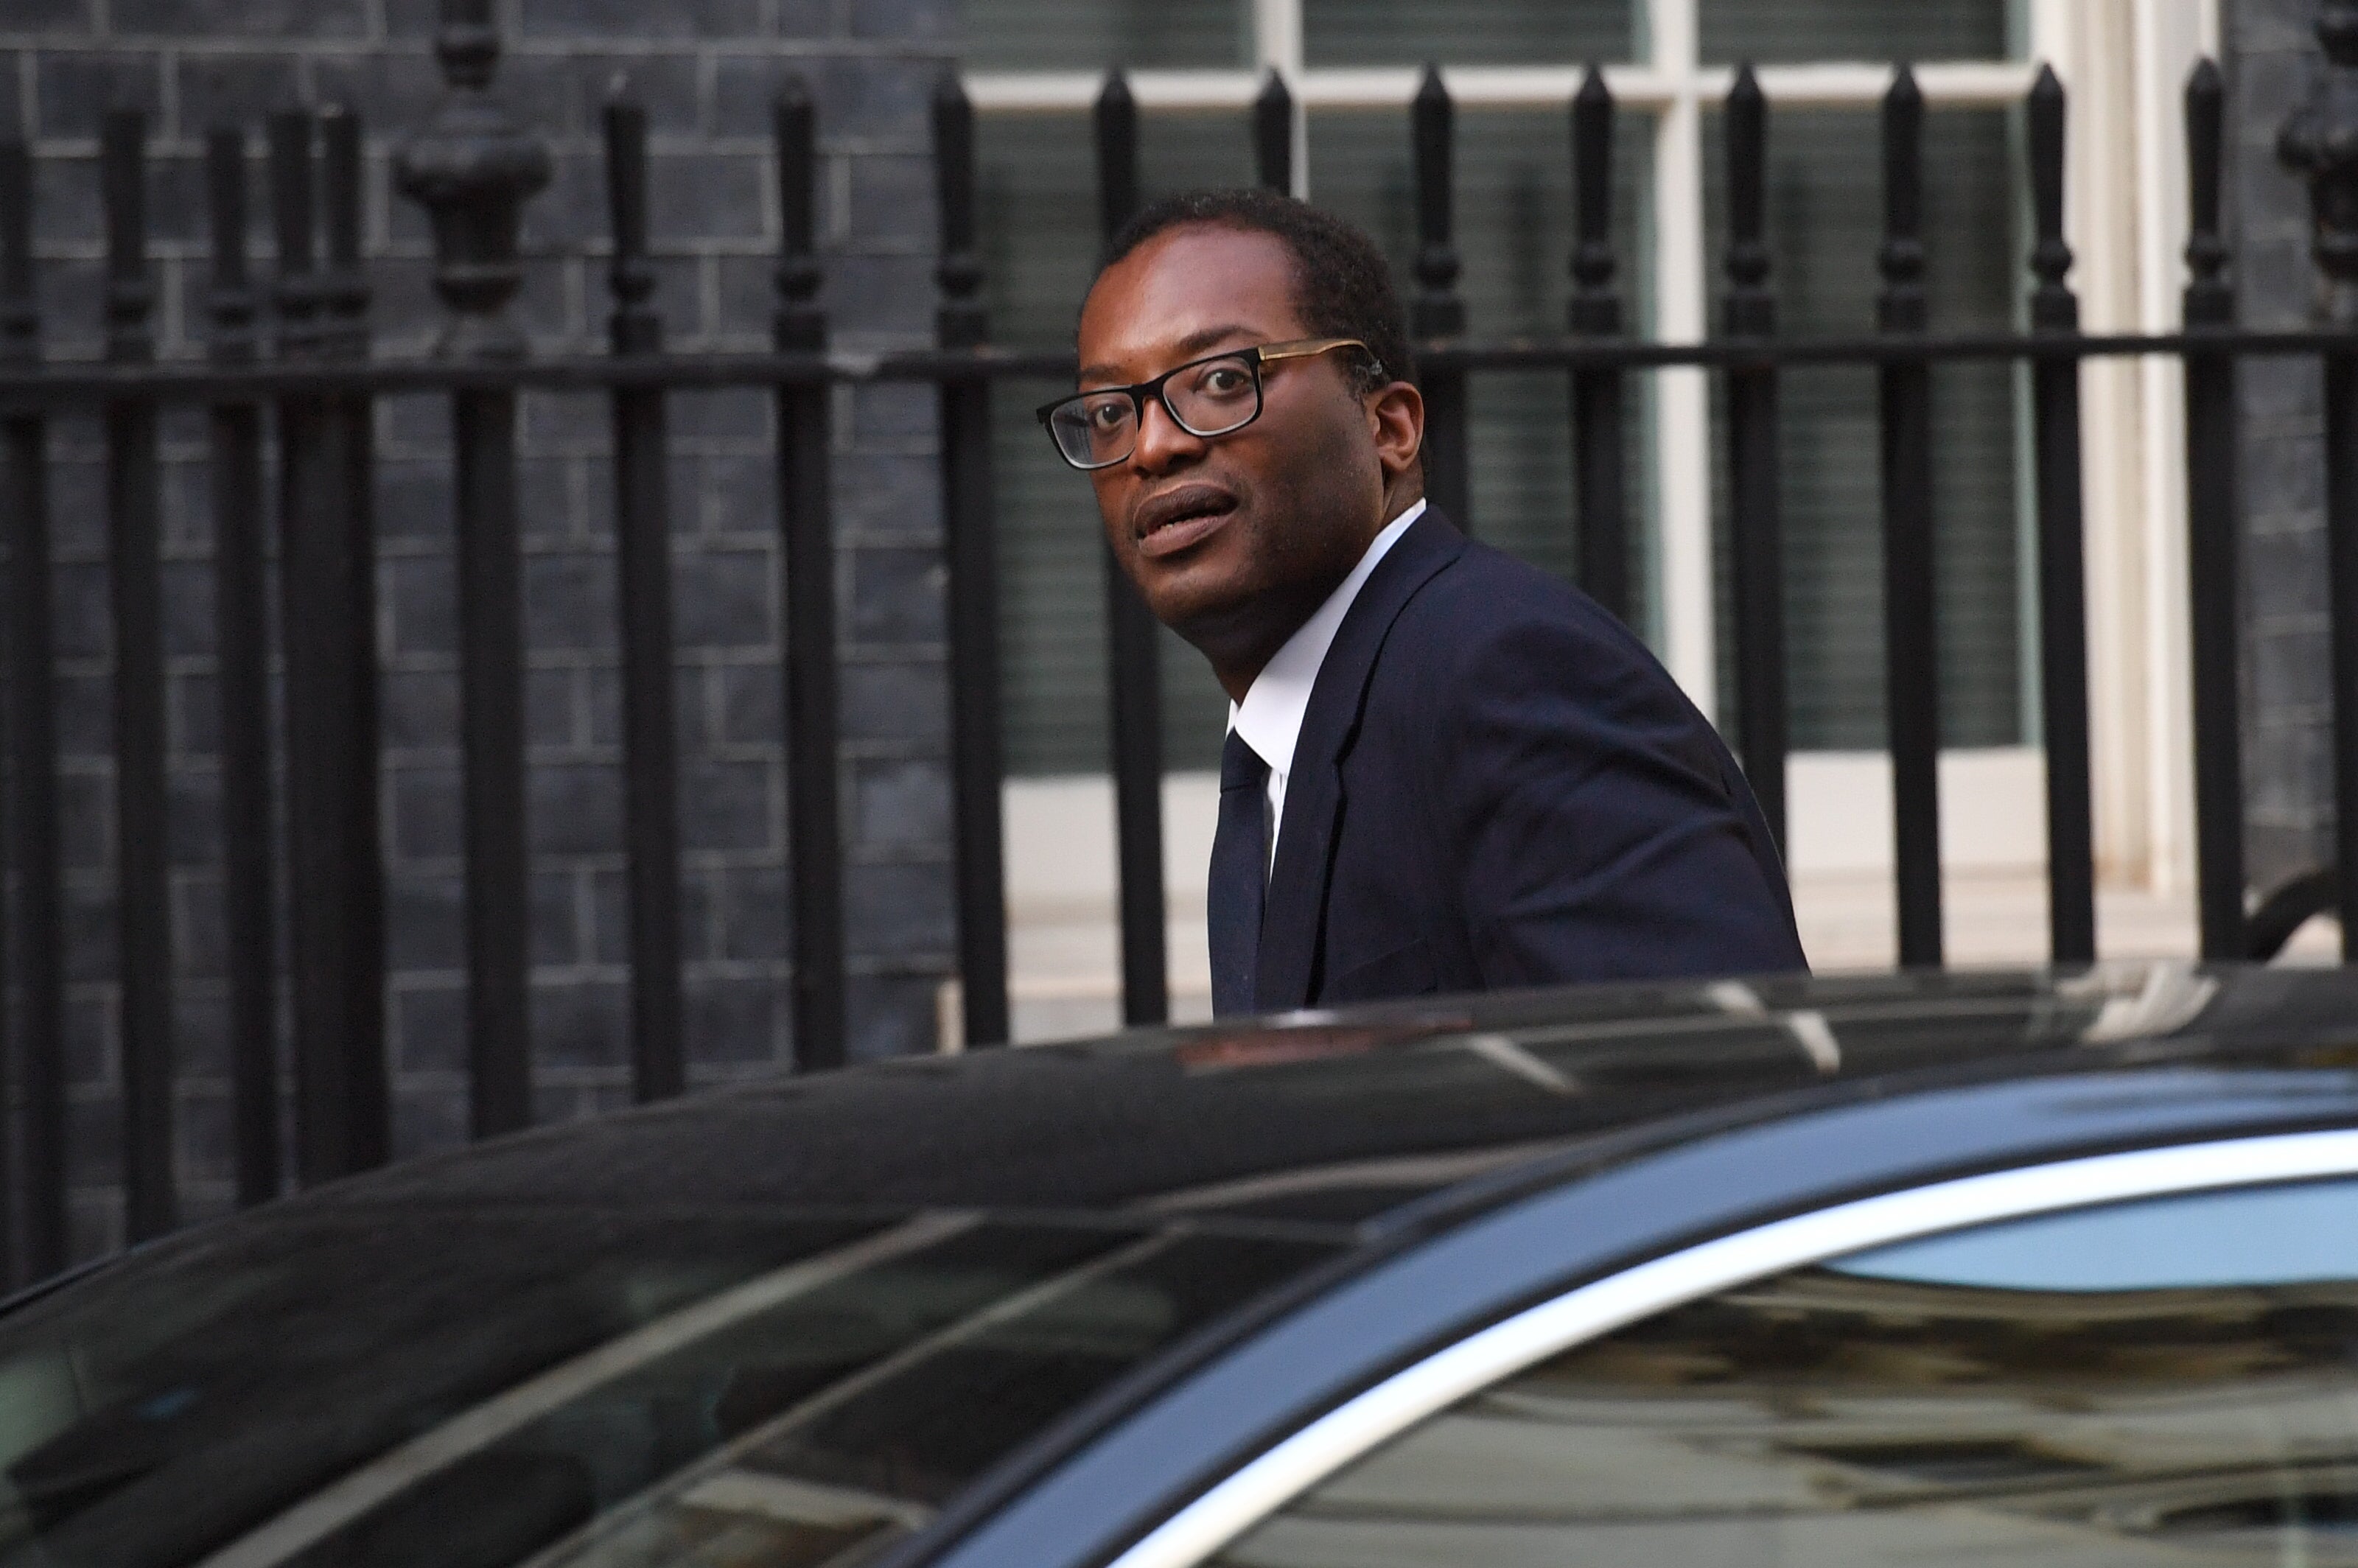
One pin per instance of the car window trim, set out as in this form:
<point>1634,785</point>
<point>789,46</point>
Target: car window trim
<point>1219,1515</point>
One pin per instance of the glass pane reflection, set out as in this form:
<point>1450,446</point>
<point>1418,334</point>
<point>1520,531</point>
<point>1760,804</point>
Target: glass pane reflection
<point>1468,32</point>
<point>1795,30</point>
<point>1095,34</point>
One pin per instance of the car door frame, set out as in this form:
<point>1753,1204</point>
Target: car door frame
<point>1098,1503</point>
<point>1253,1493</point>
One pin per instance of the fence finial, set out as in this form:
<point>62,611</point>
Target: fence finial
<point>130,291</point>
<point>634,326</point>
<point>1115,129</point>
<point>472,169</point>
<point>1595,307</point>
<point>2320,140</point>
<point>229,301</point>
<point>1274,134</point>
<point>2209,300</point>
<point>797,322</point>
<point>344,284</point>
<point>1439,312</point>
<point>1901,260</point>
<point>294,291</point>
<point>960,321</point>
<point>20,320</point>
<point>2051,304</point>
<point>1749,307</point>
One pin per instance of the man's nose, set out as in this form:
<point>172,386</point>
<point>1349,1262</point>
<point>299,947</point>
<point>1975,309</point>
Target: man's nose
<point>1162,442</point>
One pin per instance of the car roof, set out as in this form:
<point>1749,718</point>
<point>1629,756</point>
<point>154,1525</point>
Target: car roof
<point>1376,1117</point>
<point>1421,1167</point>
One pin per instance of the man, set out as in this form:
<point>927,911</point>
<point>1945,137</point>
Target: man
<point>1446,770</point>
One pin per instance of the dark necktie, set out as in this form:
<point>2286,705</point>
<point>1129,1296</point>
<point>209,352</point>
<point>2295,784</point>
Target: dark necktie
<point>1240,876</point>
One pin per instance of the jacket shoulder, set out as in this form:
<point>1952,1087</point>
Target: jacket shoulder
<point>1486,604</point>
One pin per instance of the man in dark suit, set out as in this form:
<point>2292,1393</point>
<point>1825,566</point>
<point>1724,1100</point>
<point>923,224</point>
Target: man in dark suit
<point>1446,770</point>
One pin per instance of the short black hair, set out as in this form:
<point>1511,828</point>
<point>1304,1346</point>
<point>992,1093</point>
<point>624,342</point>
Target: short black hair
<point>1341,287</point>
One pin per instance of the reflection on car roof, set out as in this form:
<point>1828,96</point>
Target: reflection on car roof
<point>1356,1119</point>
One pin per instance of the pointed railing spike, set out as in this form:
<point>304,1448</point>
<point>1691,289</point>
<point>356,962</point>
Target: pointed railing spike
<point>1748,305</point>
<point>1116,127</point>
<point>2050,259</point>
<point>1272,123</point>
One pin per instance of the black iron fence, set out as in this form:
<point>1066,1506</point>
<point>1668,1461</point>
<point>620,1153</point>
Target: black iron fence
<point>290,390</point>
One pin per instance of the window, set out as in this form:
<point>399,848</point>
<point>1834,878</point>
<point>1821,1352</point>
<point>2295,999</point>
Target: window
<point>1513,65</point>
<point>1084,35</point>
<point>2167,1380</point>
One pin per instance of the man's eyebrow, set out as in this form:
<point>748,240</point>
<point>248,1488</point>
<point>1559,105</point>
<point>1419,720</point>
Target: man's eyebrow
<point>1186,348</point>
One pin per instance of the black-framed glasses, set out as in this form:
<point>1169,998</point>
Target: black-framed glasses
<point>1211,396</point>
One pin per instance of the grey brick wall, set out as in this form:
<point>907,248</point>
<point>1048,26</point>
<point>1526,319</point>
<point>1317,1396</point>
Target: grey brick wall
<point>2270,52</point>
<point>706,69</point>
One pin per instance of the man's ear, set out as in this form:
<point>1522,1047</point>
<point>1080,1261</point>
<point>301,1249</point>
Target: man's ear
<point>1396,419</point>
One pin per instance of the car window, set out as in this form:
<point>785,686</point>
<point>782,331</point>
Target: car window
<point>2172,1380</point>
<point>832,1480</point>
<point>487,1386</point>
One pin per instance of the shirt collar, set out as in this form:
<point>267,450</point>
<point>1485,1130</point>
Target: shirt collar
<point>1270,718</point>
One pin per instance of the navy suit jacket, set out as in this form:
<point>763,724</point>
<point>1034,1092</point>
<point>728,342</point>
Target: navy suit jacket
<point>1497,784</point>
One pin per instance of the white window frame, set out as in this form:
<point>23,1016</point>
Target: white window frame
<point>1672,89</point>
<point>2125,63</point>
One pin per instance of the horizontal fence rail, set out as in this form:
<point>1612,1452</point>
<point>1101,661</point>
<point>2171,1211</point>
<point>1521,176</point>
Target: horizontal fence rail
<point>78,384</point>
<point>290,394</point>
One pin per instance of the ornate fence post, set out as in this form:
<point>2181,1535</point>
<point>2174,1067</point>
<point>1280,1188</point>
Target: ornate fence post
<point>241,620</point>
<point>2320,140</point>
<point>33,806</point>
<point>2212,535</point>
<point>133,497</point>
<point>2062,573</point>
<point>960,322</point>
<point>813,664</point>
<point>472,169</point>
<point>335,884</point>
<point>1911,649</point>
<point>1595,311</point>
<point>643,570</point>
<point>1755,520</point>
<point>1437,312</point>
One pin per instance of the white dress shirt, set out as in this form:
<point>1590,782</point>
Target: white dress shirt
<point>1270,718</point>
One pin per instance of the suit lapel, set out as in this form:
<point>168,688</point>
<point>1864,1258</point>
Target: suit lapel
<point>1294,915</point>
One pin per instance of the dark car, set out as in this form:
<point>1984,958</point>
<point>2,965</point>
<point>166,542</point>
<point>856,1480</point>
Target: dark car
<point>1944,1269</point>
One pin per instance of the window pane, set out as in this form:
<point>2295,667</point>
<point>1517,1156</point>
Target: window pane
<point>1514,241</point>
<point>1854,30</point>
<point>1982,1400</point>
<point>1093,34</point>
<point>1040,240</point>
<point>1825,224</point>
<point>1466,32</point>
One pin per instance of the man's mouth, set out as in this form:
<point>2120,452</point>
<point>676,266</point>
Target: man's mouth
<point>1178,519</point>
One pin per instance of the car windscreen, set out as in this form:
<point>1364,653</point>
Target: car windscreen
<point>547,1386</point>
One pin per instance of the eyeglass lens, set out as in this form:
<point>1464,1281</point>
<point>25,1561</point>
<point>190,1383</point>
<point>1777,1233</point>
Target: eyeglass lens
<point>1099,429</point>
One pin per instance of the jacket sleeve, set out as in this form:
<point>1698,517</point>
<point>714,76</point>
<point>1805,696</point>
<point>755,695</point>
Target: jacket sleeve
<point>1599,829</point>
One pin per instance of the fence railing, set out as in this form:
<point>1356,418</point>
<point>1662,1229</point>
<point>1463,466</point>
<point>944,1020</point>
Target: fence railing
<point>291,389</point>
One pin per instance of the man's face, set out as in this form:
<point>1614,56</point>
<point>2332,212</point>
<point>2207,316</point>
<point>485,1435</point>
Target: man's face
<point>1235,539</point>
